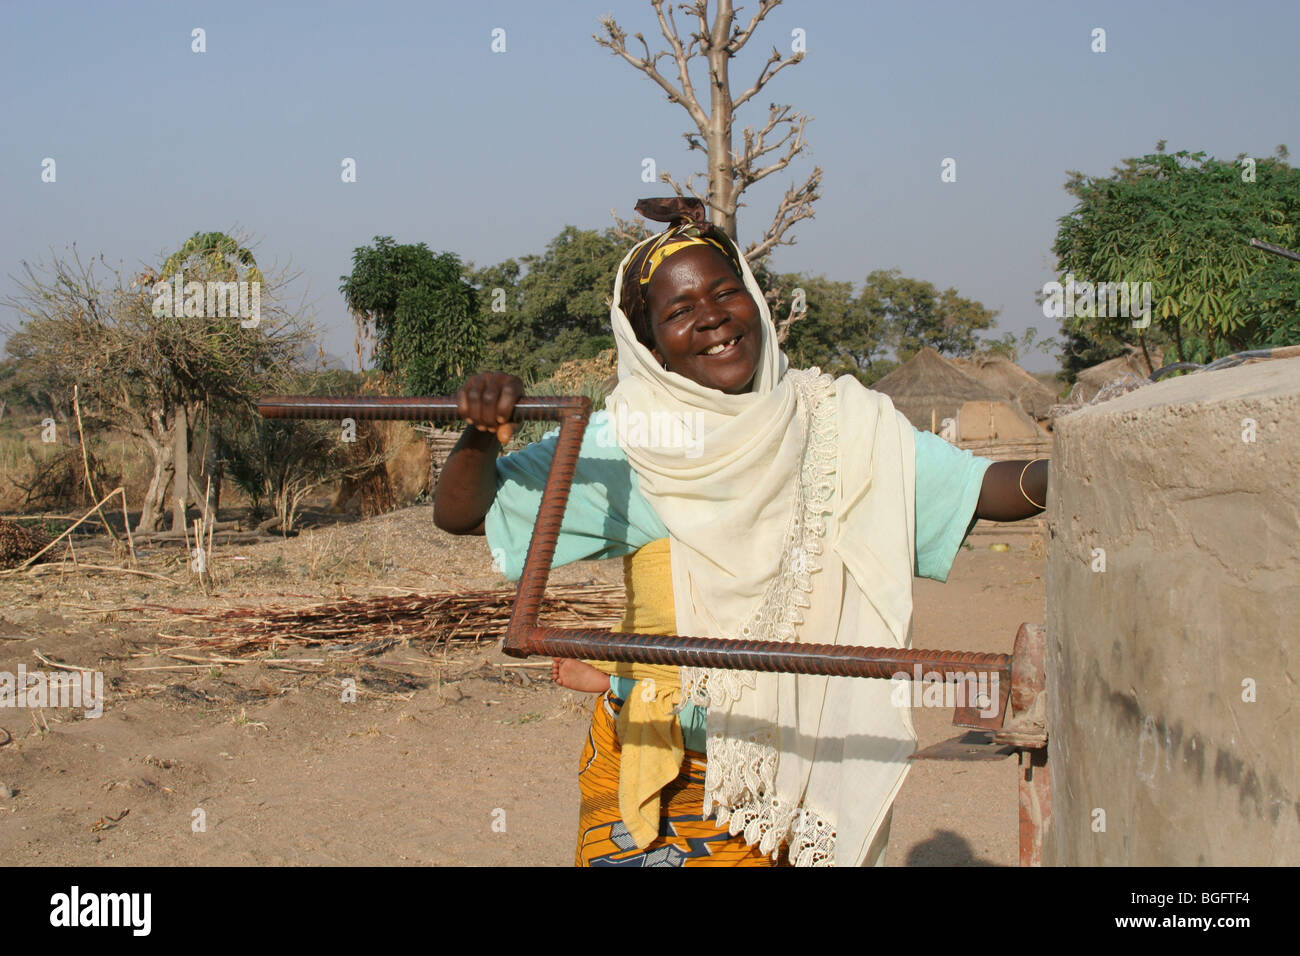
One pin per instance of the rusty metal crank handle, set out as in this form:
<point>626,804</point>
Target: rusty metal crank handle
<point>424,408</point>
<point>831,660</point>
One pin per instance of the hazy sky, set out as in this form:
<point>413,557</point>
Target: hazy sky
<point>489,155</point>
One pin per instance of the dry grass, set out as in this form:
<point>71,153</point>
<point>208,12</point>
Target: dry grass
<point>373,625</point>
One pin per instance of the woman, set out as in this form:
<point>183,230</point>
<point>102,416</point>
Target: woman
<point>779,505</point>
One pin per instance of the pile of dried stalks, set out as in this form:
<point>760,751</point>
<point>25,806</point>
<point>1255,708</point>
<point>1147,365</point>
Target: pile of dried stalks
<point>577,376</point>
<point>17,543</point>
<point>372,625</point>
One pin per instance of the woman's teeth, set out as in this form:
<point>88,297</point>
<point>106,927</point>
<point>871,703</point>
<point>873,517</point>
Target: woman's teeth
<point>721,345</point>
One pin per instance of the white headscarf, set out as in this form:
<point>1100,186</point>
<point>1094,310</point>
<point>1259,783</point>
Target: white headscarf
<point>791,518</point>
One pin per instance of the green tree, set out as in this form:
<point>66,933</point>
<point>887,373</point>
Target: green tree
<point>566,295</point>
<point>507,345</point>
<point>913,314</point>
<point>836,334</point>
<point>220,253</point>
<point>420,311</point>
<point>1182,222</point>
<point>844,334</point>
<point>1014,347</point>
<point>557,310</point>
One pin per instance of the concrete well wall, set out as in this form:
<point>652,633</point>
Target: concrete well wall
<point>1174,624</point>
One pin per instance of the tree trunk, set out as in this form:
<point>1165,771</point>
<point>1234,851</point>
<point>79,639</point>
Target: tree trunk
<point>722,202</point>
<point>157,436</point>
<point>151,507</point>
<point>1142,340</point>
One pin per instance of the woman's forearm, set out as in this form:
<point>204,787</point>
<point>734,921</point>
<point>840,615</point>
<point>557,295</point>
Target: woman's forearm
<point>467,484</point>
<point>1004,496</point>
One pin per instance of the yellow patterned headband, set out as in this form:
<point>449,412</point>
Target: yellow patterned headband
<point>675,240</point>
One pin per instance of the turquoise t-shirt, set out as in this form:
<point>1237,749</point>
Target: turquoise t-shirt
<point>606,516</point>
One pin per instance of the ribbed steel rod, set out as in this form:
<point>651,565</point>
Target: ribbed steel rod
<point>831,660</point>
<point>546,531</point>
<point>420,408</point>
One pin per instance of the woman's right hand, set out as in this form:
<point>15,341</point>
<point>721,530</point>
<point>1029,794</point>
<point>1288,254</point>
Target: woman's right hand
<point>467,483</point>
<point>487,400</point>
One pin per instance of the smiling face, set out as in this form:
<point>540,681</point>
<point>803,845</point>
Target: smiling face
<point>706,325</point>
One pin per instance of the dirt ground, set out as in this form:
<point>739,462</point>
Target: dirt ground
<point>447,756</point>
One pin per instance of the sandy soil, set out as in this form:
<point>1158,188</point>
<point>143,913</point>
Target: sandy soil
<point>456,756</point>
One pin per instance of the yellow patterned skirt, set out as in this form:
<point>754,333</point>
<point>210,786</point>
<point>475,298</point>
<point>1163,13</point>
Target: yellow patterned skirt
<point>685,838</point>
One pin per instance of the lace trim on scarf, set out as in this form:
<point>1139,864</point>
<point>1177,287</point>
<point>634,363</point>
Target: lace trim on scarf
<point>778,611</point>
<point>740,776</point>
<point>740,779</point>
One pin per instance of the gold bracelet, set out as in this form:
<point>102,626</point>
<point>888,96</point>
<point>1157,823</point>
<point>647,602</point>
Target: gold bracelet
<point>1042,507</point>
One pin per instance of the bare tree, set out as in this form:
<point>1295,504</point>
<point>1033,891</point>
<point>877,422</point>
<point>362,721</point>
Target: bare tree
<point>140,372</point>
<point>206,256</point>
<point>203,258</point>
<point>766,150</point>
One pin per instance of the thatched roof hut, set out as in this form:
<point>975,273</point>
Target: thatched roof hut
<point>928,388</point>
<point>1133,365</point>
<point>1003,375</point>
<point>988,421</point>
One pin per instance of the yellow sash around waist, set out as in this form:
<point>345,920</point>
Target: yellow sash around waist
<point>648,728</point>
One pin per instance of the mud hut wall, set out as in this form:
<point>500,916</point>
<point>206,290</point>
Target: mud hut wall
<point>1173,644</point>
<point>984,421</point>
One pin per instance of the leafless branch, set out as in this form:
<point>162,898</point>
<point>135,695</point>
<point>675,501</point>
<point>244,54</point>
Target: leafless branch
<point>796,205</point>
<point>633,230</point>
<point>690,187</point>
<point>768,150</point>
<point>766,73</point>
<point>682,57</point>
<point>740,37</point>
<point>783,324</point>
<point>615,40</point>
<point>756,145</point>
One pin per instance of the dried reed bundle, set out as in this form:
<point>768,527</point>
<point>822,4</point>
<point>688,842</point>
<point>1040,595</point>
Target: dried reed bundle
<point>17,543</point>
<point>371,625</point>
